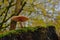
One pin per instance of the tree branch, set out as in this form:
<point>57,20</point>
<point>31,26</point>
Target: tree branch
<point>17,13</point>
<point>14,14</point>
<point>7,8</point>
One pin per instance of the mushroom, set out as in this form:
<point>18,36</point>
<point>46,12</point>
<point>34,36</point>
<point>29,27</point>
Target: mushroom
<point>17,19</point>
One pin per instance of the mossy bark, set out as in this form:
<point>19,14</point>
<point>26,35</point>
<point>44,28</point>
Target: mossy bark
<point>38,34</point>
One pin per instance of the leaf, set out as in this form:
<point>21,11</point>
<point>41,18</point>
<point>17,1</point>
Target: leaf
<point>49,0</point>
<point>30,1</point>
<point>4,25</point>
<point>1,3</point>
<point>58,21</point>
<point>58,17</point>
<point>38,23</point>
<point>50,23</point>
<point>40,6</point>
<point>29,9</point>
<point>6,2</point>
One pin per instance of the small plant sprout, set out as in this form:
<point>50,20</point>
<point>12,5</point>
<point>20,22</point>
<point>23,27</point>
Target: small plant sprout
<point>17,19</point>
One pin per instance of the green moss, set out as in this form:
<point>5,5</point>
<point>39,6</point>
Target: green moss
<point>4,34</point>
<point>21,30</point>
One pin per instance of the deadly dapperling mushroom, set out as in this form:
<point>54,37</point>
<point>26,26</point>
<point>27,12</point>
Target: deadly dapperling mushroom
<point>17,19</point>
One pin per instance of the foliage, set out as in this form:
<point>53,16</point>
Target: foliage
<point>40,12</point>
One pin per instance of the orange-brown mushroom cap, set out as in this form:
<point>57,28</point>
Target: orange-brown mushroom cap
<point>19,18</point>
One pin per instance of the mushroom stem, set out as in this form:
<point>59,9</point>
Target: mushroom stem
<point>21,24</point>
<point>12,25</point>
